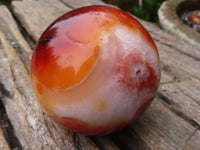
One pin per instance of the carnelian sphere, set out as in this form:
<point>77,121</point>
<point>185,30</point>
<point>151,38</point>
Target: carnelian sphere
<point>95,70</point>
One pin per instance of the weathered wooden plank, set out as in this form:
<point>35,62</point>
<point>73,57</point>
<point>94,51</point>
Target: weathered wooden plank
<point>37,15</point>
<point>3,144</point>
<point>10,28</point>
<point>80,3</point>
<point>8,139</point>
<point>177,63</point>
<point>191,88</point>
<point>180,99</point>
<point>166,77</point>
<point>161,120</point>
<point>178,58</point>
<point>33,129</point>
<point>159,128</point>
<point>171,41</point>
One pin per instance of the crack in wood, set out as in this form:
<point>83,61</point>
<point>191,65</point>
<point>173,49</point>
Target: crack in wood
<point>189,138</point>
<point>169,104</point>
<point>76,141</point>
<point>104,142</point>
<point>128,139</point>
<point>11,36</point>
<point>8,130</point>
<point>66,4</point>
<point>168,82</point>
<point>24,32</point>
<point>167,69</point>
<point>1,95</point>
<point>118,142</point>
<point>5,92</point>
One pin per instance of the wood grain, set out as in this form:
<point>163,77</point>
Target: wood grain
<point>183,99</point>
<point>171,122</point>
<point>39,14</point>
<point>13,35</point>
<point>158,128</point>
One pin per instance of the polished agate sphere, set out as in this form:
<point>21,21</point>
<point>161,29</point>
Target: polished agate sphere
<point>95,70</point>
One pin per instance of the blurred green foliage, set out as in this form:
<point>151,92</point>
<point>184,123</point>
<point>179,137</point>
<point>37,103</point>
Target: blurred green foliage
<point>144,9</point>
<point>6,3</point>
<point>148,10</point>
